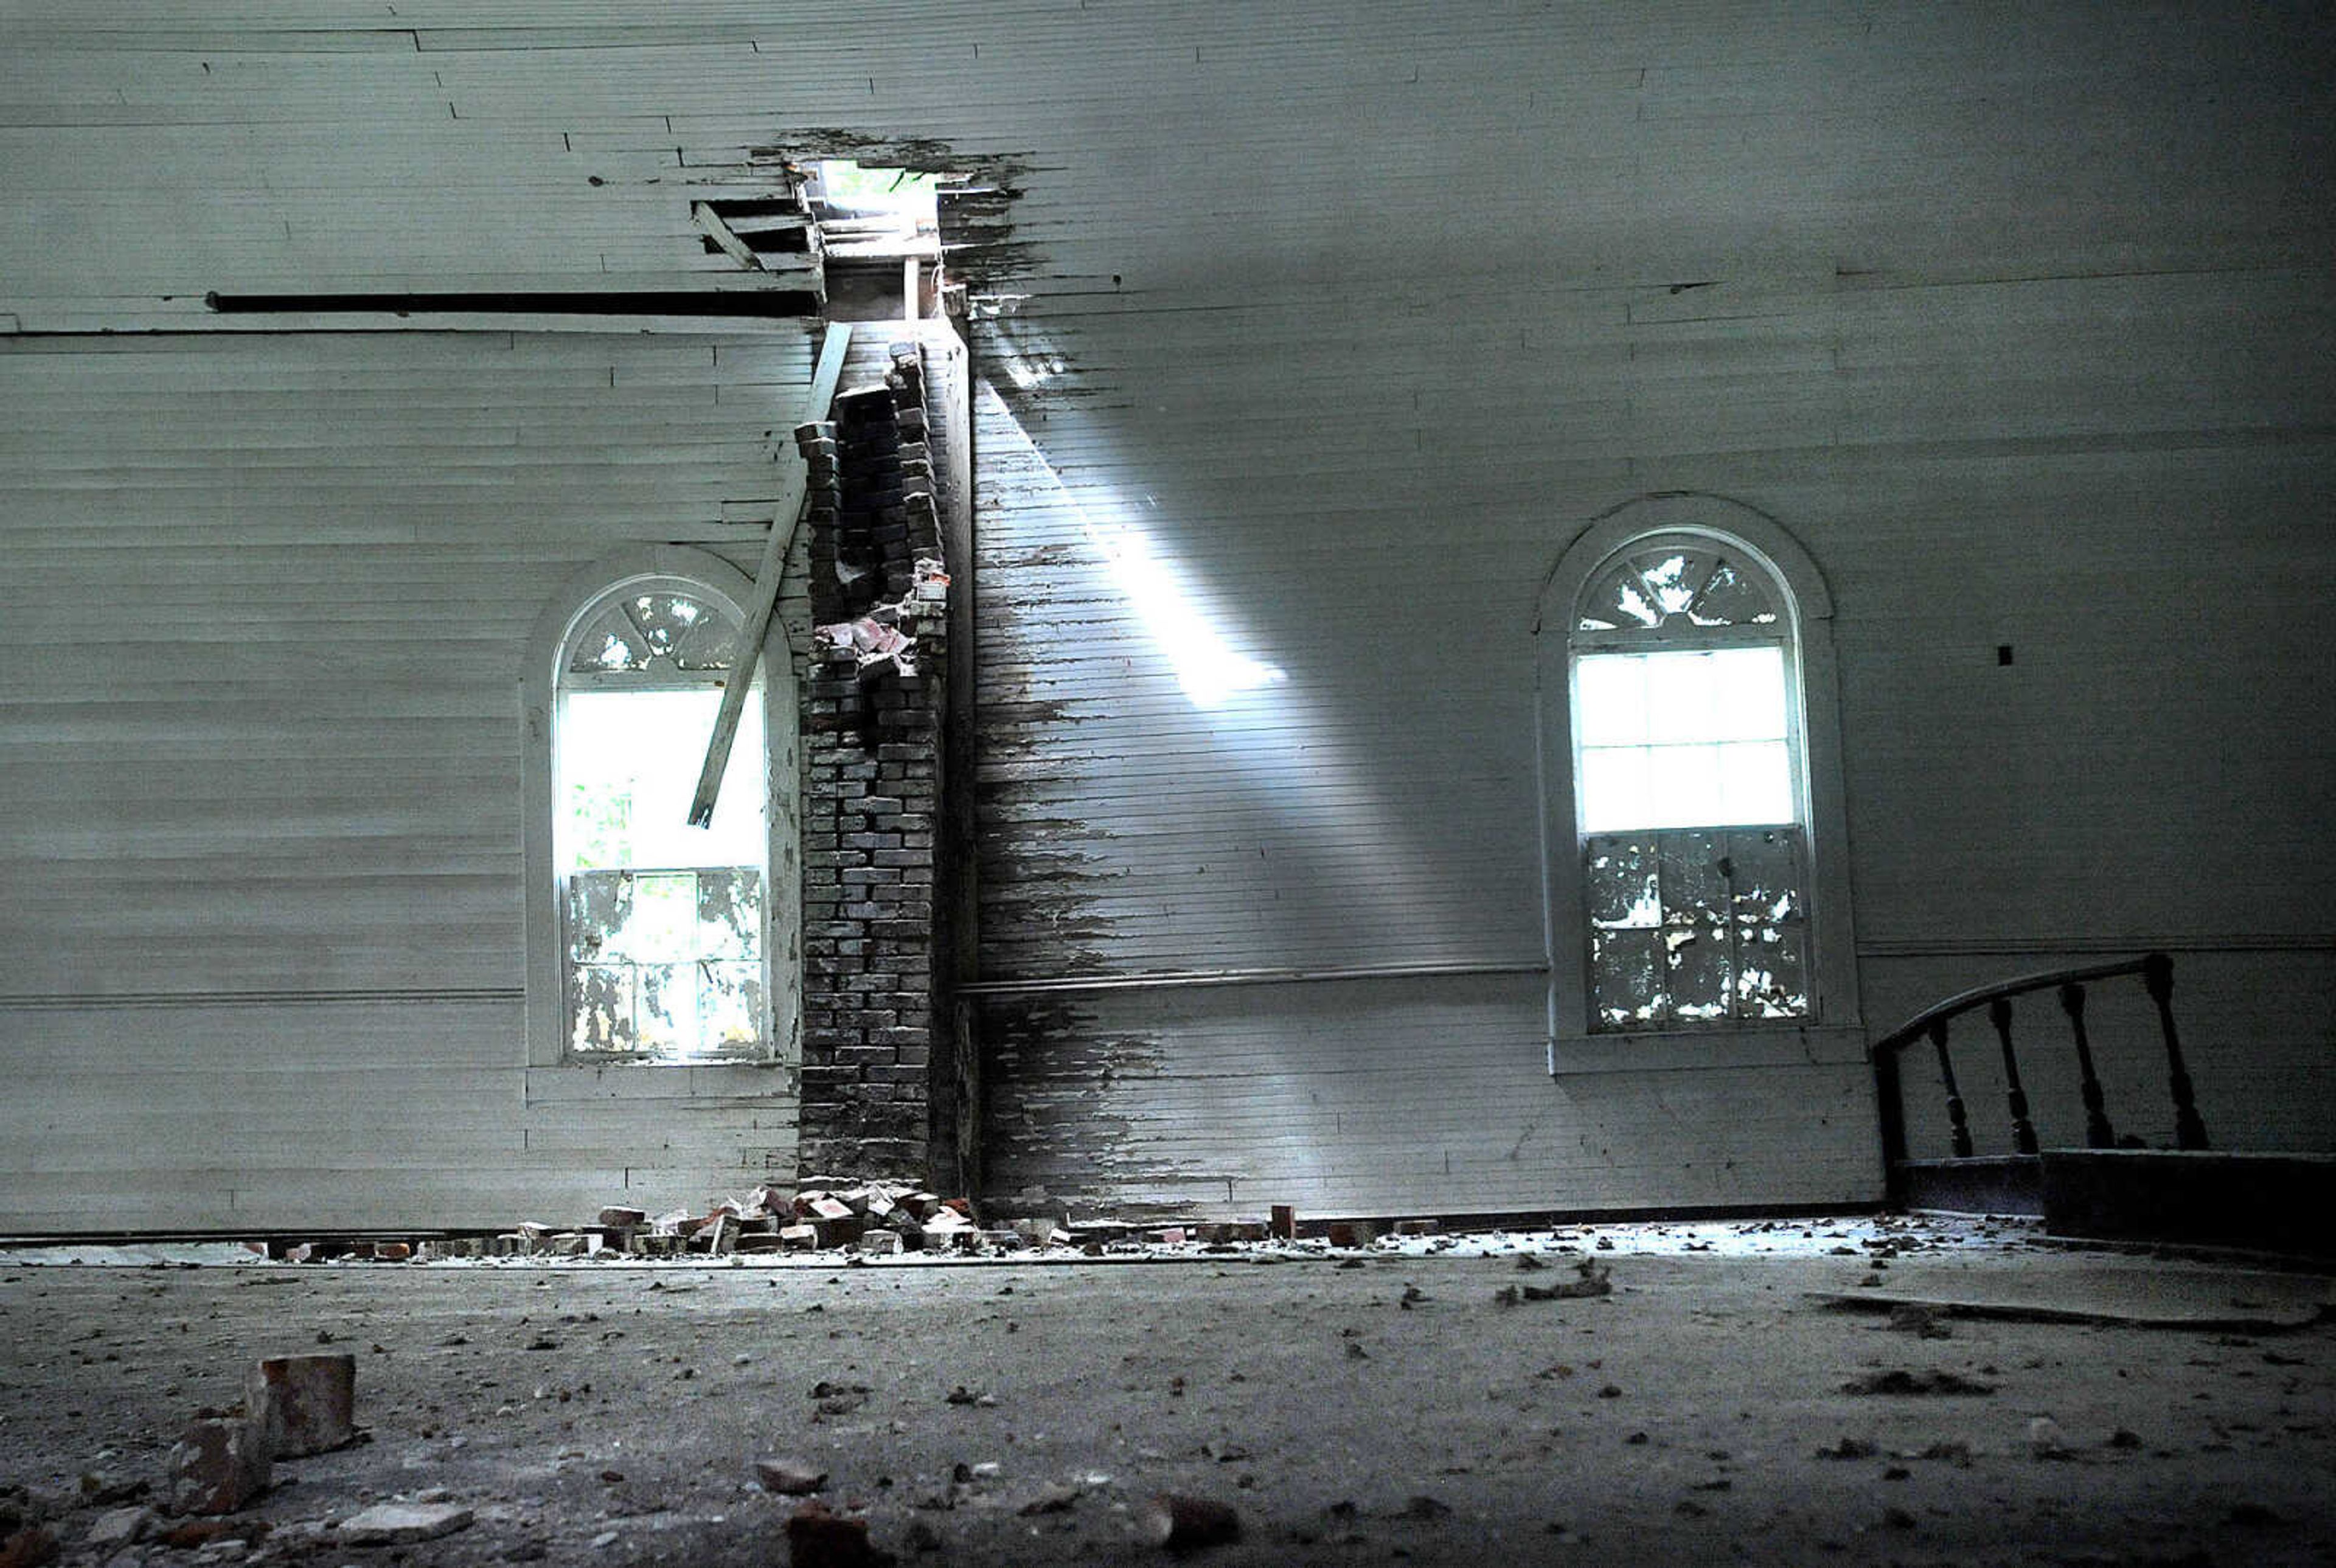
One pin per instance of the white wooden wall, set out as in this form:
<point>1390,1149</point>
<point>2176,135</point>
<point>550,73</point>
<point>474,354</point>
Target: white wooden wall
<point>1350,317</point>
<point>268,599</point>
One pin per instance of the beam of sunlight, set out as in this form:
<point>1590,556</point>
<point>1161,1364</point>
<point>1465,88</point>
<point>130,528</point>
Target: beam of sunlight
<point>1212,671</point>
<point>1301,790</point>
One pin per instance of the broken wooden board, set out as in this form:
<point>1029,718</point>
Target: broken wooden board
<point>2146,1297</point>
<point>784,518</point>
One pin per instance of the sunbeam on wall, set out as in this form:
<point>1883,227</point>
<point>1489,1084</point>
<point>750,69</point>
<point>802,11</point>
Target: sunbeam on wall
<point>1320,848</point>
<point>1210,669</point>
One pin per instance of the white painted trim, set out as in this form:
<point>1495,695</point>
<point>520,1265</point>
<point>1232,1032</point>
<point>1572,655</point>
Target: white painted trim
<point>1808,613</point>
<point>707,574</point>
<point>1751,1045</point>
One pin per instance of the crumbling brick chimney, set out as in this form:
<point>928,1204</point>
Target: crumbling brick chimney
<point>873,733</point>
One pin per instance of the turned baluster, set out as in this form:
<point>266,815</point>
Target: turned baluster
<point>1958,1125</point>
<point>2023,1131</point>
<point>2158,976</point>
<point>2098,1135</point>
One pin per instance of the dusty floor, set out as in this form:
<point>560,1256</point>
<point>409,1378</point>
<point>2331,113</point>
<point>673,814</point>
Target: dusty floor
<point>611,1414</point>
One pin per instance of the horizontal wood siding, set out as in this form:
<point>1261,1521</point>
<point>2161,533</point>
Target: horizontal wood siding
<point>261,787</point>
<point>1387,1096</point>
<point>1310,335</point>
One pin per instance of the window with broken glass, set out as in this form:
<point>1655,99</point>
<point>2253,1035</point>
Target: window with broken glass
<point>1688,789</point>
<point>661,923</point>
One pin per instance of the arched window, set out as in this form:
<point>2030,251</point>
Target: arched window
<point>651,940</point>
<point>1691,809</point>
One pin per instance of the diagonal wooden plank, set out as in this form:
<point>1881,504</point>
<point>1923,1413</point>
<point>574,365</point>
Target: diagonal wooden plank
<point>784,519</point>
<point>709,223</point>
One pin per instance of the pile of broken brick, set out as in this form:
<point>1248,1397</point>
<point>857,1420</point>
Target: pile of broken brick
<point>869,1217</point>
<point>826,1216</point>
<point>873,1217</point>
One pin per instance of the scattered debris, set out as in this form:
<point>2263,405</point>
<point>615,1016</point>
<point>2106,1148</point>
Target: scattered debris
<point>122,1527</point>
<point>789,1478</point>
<point>1899,1380</point>
<point>774,1220</point>
<point>305,1404</point>
<point>1056,1499</point>
<point>820,1538</point>
<point>28,1548</point>
<point>218,1466</point>
<point>1186,1523</point>
<point>403,1524</point>
<point>839,1398</point>
<point>1920,1318</point>
<point>1592,1278</point>
<point>1849,1448</point>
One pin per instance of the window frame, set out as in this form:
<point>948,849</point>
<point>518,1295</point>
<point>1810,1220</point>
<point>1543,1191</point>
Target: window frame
<point>705,576</point>
<point>1832,1030</point>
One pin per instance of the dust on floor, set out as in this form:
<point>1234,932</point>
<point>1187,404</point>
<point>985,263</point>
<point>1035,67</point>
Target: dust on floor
<point>1405,1401</point>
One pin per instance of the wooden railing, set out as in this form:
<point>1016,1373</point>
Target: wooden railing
<point>2157,973</point>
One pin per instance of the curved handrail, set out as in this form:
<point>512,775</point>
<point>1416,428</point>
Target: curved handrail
<point>2156,972</point>
<point>1962,1002</point>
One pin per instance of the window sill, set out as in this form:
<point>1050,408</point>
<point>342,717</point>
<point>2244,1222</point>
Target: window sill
<point>575,1081</point>
<point>1692,1050</point>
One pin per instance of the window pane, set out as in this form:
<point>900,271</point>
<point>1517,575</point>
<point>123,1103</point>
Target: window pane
<point>1615,784</point>
<point>1622,882</point>
<point>1626,977</point>
<point>1747,687</point>
<point>1772,977</point>
<point>1733,598</point>
<point>600,1007</point>
<point>628,763</point>
<point>664,619</point>
<point>664,926</point>
<point>1611,699</point>
<point>710,643</point>
<point>730,1006</point>
<point>1681,697</point>
<point>729,913</point>
<point>1674,576</point>
<point>609,643</point>
<point>1756,782</point>
<point>1701,978</point>
<point>1683,787</point>
<point>667,963</point>
<point>599,905</point>
<point>667,1012</point>
<point>1767,879</point>
<point>1617,601</point>
<point>1683,702</point>
<point>1695,890</point>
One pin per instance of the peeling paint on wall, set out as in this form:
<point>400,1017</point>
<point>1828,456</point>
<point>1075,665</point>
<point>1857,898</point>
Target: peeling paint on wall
<point>1056,1120</point>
